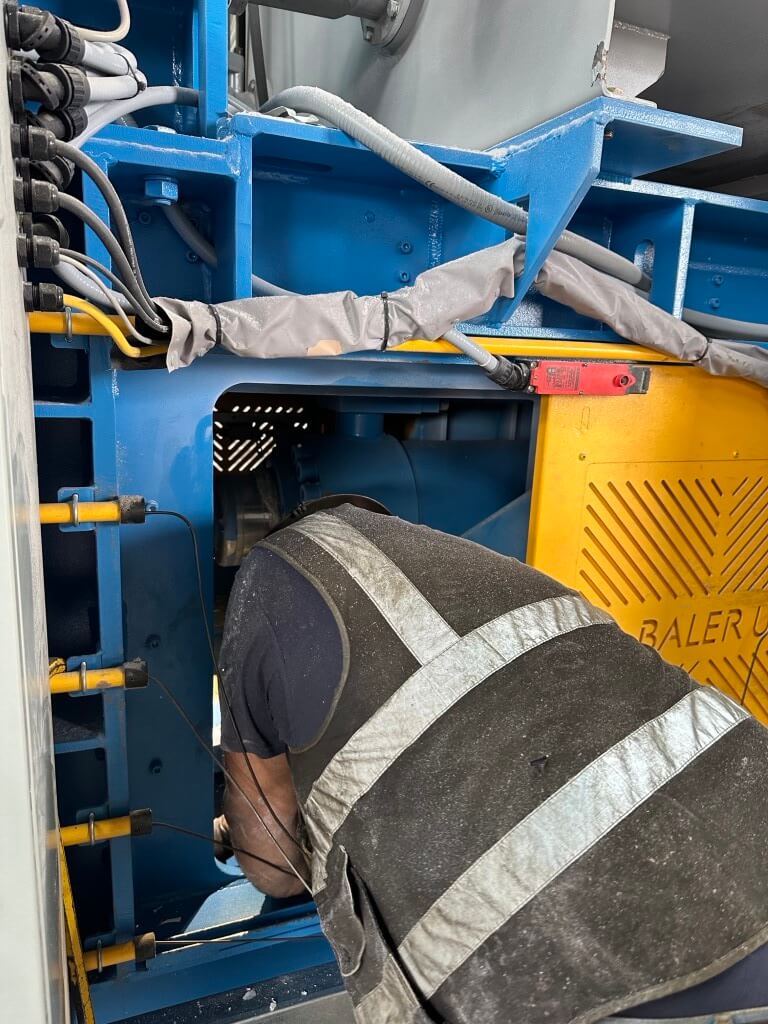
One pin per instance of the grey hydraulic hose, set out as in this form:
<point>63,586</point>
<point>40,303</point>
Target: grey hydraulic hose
<point>373,9</point>
<point>442,180</point>
<point>155,96</point>
<point>200,245</point>
<point>725,327</point>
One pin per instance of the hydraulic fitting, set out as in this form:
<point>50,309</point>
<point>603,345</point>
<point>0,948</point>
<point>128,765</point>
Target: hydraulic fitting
<point>45,297</point>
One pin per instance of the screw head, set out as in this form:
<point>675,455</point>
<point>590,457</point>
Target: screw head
<point>192,257</point>
<point>144,217</point>
<point>406,247</point>
<point>714,303</point>
<point>405,277</point>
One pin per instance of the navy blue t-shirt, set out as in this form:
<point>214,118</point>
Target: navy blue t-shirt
<point>281,658</point>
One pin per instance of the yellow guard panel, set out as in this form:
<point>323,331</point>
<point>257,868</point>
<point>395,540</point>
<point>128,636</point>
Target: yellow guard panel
<point>655,507</point>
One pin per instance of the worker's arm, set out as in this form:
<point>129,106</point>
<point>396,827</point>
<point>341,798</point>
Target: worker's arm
<point>246,831</point>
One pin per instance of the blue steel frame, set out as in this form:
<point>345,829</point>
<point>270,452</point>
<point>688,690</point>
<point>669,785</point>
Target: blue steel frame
<point>312,210</point>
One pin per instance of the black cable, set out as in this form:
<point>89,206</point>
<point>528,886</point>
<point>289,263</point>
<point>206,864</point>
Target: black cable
<point>217,669</point>
<point>136,309</point>
<point>97,225</point>
<point>116,208</point>
<point>227,774</point>
<point>758,645</point>
<point>210,839</point>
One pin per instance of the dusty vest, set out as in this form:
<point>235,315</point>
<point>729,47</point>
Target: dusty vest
<point>518,813</point>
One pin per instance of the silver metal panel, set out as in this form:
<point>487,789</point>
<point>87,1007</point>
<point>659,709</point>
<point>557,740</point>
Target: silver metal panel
<point>467,74</point>
<point>32,965</point>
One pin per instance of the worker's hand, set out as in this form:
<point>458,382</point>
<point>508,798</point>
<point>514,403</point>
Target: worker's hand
<point>222,842</point>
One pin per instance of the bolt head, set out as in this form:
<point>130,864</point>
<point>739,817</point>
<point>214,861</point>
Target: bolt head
<point>164,191</point>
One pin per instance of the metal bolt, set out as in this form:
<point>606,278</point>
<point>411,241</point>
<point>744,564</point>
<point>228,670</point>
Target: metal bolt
<point>144,217</point>
<point>582,456</point>
<point>530,389</point>
<point>192,257</point>
<point>405,277</point>
<point>161,190</point>
<point>369,217</point>
<point>714,303</point>
<point>717,280</point>
<point>152,641</point>
<point>406,247</point>
<point>393,9</point>
<point>621,380</point>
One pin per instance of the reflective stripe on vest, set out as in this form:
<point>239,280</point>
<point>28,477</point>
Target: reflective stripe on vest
<point>433,689</point>
<point>560,831</point>
<point>421,627</point>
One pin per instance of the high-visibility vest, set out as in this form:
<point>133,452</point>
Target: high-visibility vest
<point>517,811</point>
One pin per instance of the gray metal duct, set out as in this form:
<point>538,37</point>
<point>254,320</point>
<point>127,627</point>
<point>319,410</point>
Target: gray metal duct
<point>373,9</point>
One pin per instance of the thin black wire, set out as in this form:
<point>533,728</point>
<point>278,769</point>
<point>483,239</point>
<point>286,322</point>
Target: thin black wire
<point>222,688</point>
<point>229,777</point>
<point>758,645</point>
<point>210,839</point>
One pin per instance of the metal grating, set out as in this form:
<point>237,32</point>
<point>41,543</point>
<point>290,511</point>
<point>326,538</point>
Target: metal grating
<point>247,429</point>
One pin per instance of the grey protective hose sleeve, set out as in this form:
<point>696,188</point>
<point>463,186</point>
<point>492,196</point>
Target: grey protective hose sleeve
<point>200,245</point>
<point>155,96</point>
<point>442,180</point>
<point>476,353</point>
<point>314,325</point>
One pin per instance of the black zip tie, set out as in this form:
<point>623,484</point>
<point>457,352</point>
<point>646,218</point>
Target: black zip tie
<point>385,300</point>
<point>698,359</point>
<point>217,317</point>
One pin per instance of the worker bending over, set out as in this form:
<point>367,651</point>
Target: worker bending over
<point>515,811</point>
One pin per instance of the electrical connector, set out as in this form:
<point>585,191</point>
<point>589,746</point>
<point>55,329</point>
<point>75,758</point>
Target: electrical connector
<point>44,297</point>
<point>31,196</point>
<point>53,86</point>
<point>30,28</point>
<point>37,251</point>
<point>30,141</point>
<point>64,124</point>
<point>58,172</point>
<point>510,374</point>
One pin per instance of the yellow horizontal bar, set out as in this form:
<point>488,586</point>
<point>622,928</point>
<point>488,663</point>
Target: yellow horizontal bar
<point>62,512</point>
<point>109,828</point>
<point>90,320</point>
<point>95,679</point>
<point>56,323</point>
<point>547,348</point>
<point>141,948</point>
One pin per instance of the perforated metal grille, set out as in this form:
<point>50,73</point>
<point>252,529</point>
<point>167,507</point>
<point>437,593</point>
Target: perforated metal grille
<point>247,429</point>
